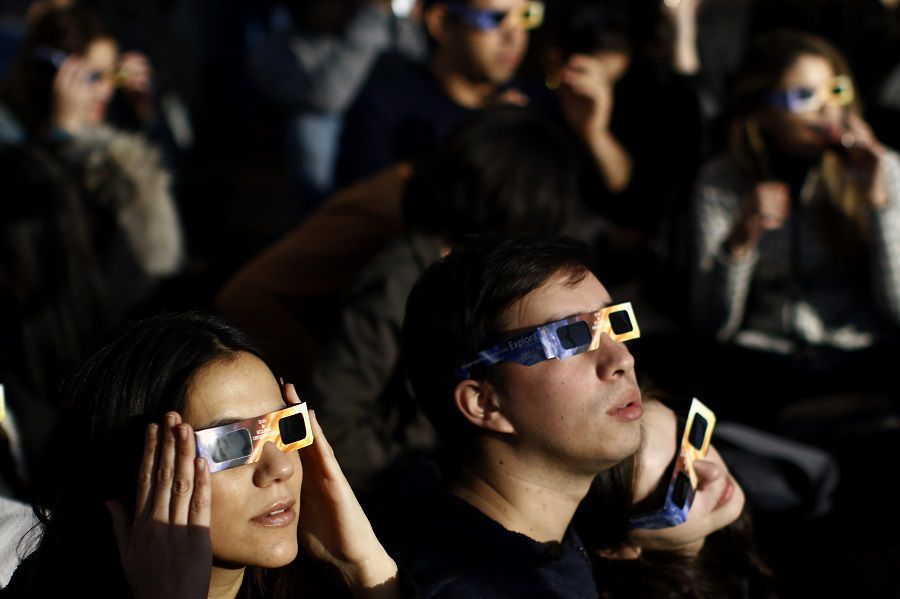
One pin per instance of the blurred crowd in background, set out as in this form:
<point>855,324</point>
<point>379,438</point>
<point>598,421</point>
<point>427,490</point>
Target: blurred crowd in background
<point>295,166</point>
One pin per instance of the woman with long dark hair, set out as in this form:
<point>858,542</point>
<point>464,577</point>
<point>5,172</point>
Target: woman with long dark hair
<point>225,522</point>
<point>637,553</point>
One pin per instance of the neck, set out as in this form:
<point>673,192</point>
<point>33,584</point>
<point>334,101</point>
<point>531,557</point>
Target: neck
<point>224,582</point>
<point>461,89</point>
<point>521,494</point>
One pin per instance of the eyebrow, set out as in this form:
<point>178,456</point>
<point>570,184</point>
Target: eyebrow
<point>558,318</point>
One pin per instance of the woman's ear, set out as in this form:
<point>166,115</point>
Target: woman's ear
<point>436,22</point>
<point>624,552</point>
<point>478,403</point>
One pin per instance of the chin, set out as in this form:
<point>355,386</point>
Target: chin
<point>275,556</point>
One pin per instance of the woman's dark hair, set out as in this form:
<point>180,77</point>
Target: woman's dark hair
<point>28,89</point>
<point>729,564</point>
<point>505,169</point>
<point>96,450</point>
<point>458,307</point>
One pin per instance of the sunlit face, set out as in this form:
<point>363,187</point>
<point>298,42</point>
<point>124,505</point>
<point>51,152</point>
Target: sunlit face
<point>254,506</point>
<point>102,57</point>
<point>581,414</point>
<point>718,501</point>
<point>490,56</point>
<point>807,133</point>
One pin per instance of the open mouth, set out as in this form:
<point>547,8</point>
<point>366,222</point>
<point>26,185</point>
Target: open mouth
<point>630,408</point>
<point>280,514</point>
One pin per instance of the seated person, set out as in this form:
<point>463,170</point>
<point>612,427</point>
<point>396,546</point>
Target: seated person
<point>226,522</point>
<point>406,108</point>
<point>505,169</point>
<point>797,268</point>
<point>314,67</point>
<point>516,355</point>
<point>89,228</point>
<point>653,533</point>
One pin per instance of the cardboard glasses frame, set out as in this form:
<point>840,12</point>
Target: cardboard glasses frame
<point>695,440</point>
<point>239,443</point>
<point>804,99</point>
<point>528,17</point>
<point>560,339</point>
<point>58,57</point>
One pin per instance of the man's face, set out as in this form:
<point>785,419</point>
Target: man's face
<point>491,56</point>
<point>583,413</point>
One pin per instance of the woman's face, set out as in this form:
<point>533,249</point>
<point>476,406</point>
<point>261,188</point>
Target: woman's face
<point>814,122</point>
<point>718,500</point>
<point>254,506</point>
<point>102,58</point>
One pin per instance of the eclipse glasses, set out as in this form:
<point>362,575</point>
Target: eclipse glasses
<point>240,443</point>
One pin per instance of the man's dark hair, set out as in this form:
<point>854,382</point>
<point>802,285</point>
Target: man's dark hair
<point>457,308</point>
<point>504,169</point>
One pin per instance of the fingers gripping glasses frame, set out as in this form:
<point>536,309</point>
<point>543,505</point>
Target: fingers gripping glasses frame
<point>561,339</point>
<point>806,99</point>
<point>240,443</point>
<point>58,57</point>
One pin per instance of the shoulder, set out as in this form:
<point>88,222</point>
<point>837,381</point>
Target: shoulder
<point>400,263</point>
<point>395,78</point>
<point>455,551</point>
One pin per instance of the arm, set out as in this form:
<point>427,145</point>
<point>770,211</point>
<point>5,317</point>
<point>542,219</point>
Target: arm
<point>685,56</point>
<point>333,527</point>
<point>587,101</point>
<point>885,234</point>
<point>728,230</point>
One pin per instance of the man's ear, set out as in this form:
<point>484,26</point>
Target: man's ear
<point>436,22</point>
<point>624,552</point>
<point>478,403</point>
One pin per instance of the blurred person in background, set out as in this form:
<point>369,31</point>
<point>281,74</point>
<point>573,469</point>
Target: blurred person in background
<point>797,264</point>
<point>313,62</point>
<point>504,170</point>
<point>90,228</point>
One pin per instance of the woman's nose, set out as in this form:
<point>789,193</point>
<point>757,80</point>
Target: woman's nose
<point>707,472</point>
<point>274,465</point>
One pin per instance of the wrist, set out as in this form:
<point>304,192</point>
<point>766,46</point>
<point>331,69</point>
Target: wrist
<point>367,577</point>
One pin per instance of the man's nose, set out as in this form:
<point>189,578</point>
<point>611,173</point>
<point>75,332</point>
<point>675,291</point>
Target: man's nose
<point>613,358</point>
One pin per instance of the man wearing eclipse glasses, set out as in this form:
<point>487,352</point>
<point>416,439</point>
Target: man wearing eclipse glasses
<point>405,108</point>
<point>515,352</point>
